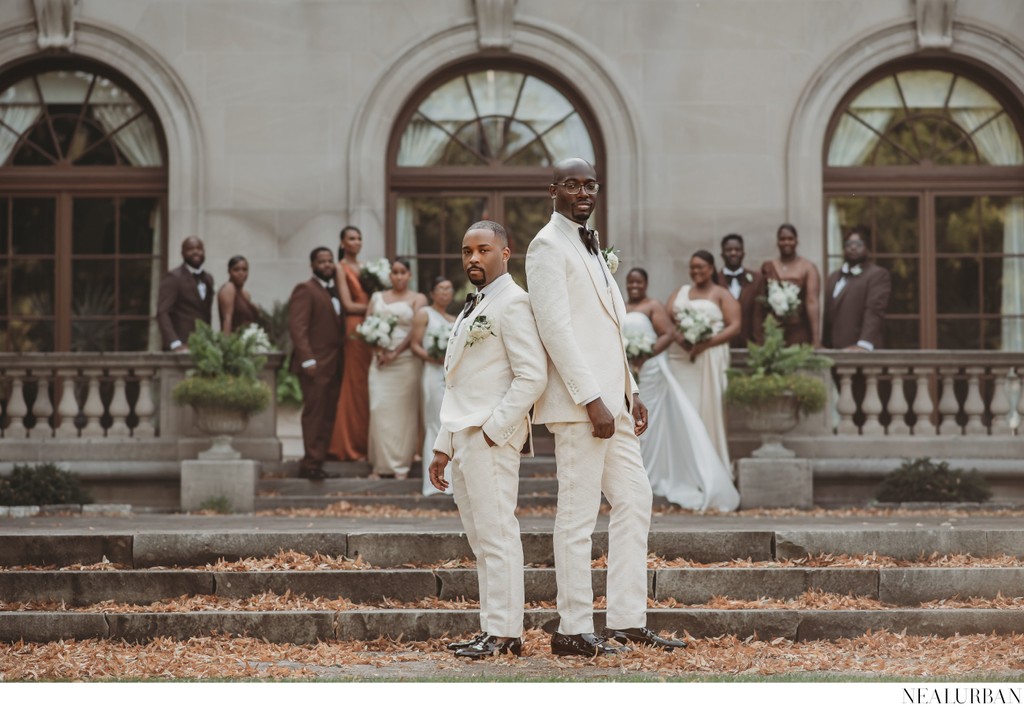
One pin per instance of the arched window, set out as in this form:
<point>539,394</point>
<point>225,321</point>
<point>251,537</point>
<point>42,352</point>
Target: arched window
<point>479,143</point>
<point>83,185</point>
<point>930,158</point>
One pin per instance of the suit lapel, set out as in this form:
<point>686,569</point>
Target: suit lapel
<point>457,344</point>
<point>599,274</point>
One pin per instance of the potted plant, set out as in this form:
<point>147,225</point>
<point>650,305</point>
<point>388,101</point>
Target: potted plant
<point>224,388</point>
<point>774,391</point>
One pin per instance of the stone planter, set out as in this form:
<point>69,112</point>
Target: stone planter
<point>773,419</point>
<point>221,424</point>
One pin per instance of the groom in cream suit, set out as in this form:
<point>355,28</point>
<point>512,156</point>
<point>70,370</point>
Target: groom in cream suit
<point>495,368</point>
<point>592,408</point>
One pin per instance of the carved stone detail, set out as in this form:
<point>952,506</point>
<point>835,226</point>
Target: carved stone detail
<point>56,22</point>
<point>494,22</point>
<point>934,23</point>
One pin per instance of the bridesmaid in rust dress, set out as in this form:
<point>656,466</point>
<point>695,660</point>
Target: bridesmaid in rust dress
<point>352,423</point>
<point>803,327</point>
<point>237,310</point>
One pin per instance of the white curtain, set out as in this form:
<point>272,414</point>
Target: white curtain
<point>422,144</point>
<point>137,140</point>
<point>156,272</point>
<point>18,120</point>
<point>405,238</point>
<point>999,144</point>
<point>850,144</point>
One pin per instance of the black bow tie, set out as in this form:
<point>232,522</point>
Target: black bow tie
<point>198,276</point>
<point>589,239</point>
<point>472,299</point>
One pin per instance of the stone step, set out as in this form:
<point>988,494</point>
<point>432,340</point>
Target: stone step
<point>441,502</point>
<point>307,627</point>
<point>906,587</point>
<point>294,487</point>
<point>540,465</point>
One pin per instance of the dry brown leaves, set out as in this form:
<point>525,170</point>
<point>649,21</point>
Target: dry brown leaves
<point>348,509</point>
<point>879,653</point>
<point>843,560</point>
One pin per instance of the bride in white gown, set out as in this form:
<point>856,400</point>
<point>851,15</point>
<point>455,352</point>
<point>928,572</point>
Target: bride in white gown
<point>680,459</point>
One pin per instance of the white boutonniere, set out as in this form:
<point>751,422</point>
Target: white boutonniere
<point>479,330</point>
<point>856,270</point>
<point>749,277</point>
<point>610,259</point>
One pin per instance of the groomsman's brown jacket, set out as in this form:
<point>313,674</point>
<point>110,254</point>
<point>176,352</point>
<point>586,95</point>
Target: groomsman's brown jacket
<point>179,305</point>
<point>858,313</point>
<point>750,286</point>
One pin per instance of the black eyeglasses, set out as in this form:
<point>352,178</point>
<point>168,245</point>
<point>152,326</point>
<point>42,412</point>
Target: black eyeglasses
<point>575,187</point>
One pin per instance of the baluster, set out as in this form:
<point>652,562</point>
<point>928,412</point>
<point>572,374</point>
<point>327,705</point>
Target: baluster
<point>67,409</point>
<point>898,402</point>
<point>119,408</point>
<point>974,406</point>
<point>144,407</point>
<point>93,407</point>
<point>1000,405</point>
<point>872,405</point>
<point>42,409</point>
<point>846,406</point>
<point>923,405</point>
<point>948,406</point>
<point>16,407</point>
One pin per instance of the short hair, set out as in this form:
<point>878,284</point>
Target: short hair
<point>312,254</point>
<point>438,280</point>
<point>710,260</point>
<point>640,271</point>
<point>235,260</point>
<point>732,237</point>
<point>859,230</point>
<point>787,227</point>
<point>494,227</point>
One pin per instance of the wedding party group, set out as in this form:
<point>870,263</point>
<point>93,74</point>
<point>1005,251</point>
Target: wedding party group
<point>631,389</point>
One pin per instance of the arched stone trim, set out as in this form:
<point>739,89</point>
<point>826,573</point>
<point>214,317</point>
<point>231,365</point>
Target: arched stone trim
<point>837,76</point>
<point>166,92</point>
<point>556,48</point>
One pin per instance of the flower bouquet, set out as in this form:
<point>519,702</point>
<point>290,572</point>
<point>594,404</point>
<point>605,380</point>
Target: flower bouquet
<point>783,297</point>
<point>639,346</point>
<point>697,325</point>
<point>376,330</point>
<point>436,339</point>
<point>375,275</point>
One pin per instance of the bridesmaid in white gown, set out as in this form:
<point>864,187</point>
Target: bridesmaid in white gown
<point>681,462</point>
<point>433,322</point>
<point>395,381</point>
<point>700,368</point>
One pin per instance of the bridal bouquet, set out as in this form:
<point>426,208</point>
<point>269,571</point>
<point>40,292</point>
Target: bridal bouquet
<point>376,330</point>
<point>255,339</point>
<point>639,345</point>
<point>783,298</point>
<point>375,275</point>
<point>697,325</point>
<point>436,340</point>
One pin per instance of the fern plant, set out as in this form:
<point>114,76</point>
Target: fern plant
<point>226,370</point>
<point>773,370</point>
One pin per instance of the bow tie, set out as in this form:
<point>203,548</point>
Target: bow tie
<point>589,239</point>
<point>732,275</point>
<point>472,300</point>
<point>198,276</point>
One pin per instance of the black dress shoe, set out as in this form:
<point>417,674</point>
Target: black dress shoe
<point>642,635</point>
<point>312,474</point>
<point>462,644</point>
<point>488,645</point>
<point>582,645</point>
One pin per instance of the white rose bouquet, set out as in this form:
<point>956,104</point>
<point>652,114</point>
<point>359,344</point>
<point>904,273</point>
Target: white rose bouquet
<point>639,345</point>
<point>376,330</point>
<point>375,275</point>
<point>783,297</point>
<point>436,340</point>
<point>479,330</point>
<point>697,325</point>
<point>256,340</point>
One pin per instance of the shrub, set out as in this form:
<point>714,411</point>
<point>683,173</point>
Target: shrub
<point>216,505</point>
<point>227,368</point>
<point>754,390</point>
<point>36,485</point>
<point>289,390</point>
<point>921,480</point>
<point>235,393</point>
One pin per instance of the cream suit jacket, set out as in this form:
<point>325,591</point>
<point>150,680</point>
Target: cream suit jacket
<point>493,382</point>
<point>579,312</point>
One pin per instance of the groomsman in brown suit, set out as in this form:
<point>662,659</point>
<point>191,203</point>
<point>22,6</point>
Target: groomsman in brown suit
<point>186,295</point>
<point>856,297</point>
<point>743,284</point>
<point>317,326</point>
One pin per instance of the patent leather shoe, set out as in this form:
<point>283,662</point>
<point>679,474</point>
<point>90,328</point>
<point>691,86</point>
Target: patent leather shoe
<point>311,473</point>
<point>642,635</point>
<point>489,645</point>
<point>582,645</point>
<point>462,644</point>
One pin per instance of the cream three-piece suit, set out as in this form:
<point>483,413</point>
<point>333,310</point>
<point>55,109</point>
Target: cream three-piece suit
<point>579,312</point>
<point>495,368</point>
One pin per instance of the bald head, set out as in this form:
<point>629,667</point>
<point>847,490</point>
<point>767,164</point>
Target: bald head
<point>193,252</point>
<point>572,165</point>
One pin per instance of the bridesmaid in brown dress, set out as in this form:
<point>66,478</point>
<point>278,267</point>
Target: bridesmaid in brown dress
<point>237,310</point>
<point>804,327</point>
<point>352,423</point>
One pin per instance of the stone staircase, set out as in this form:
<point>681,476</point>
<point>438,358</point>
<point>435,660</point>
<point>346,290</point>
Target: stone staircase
<point>412,583</point>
